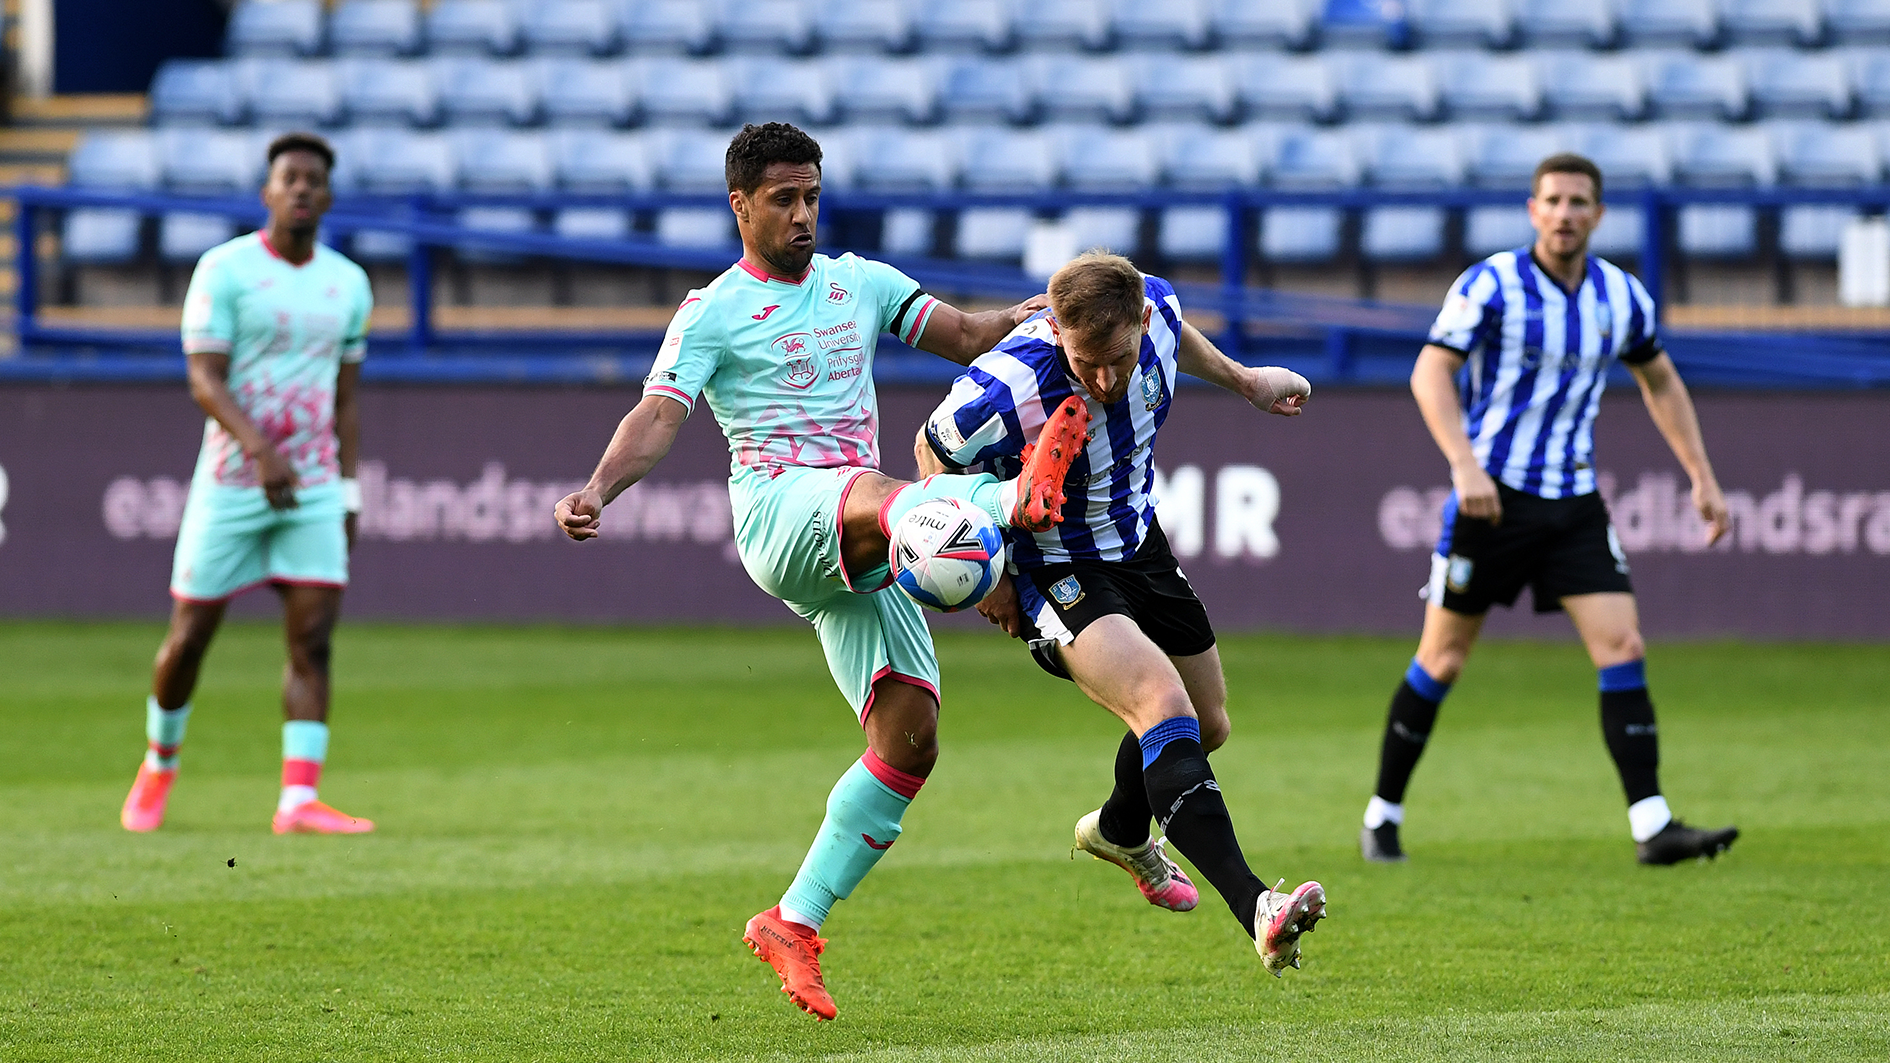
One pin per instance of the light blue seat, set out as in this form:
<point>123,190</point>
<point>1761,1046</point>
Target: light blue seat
<point>196,92</point>
<point>387,92</point>
<point>908,231</point>
<point>965,25</point>
<point>1718,230</point>
<point>992,233</point>
<point>1489,229</point>
<point>1870,79</point>
<point>1504,156</point>
<point>570,27</point>
<point>100,236</point>
<point>1374,86</point>
<point>1117,229</point>
<point>209,162</point>
<point>1787,22</point>
<point>776,89</point>
<point>895,159</point>
<point>1006,160</point>
<point>979,89</point>
<point>593,223</point>
<point>586,92</point>
<point>1073,88</point>
<point>765,26</point>
<point>1198,158</point>
<point>1820,155</point>
<point>380,161</point>
<point>1683,84</point>
<point>501,161</point>
<point>1274,85</point>
<point>1810,231</point>
<point>1792,84</point>
<point>1462,23</point>
<point>689,160</point>
<point>704,227</point>
<point>277,28</point>
<point>1282,24</point>
<point>1858,21</point>
<point>667,26</point>
<point>116,158</point>
<point>1170,25</point>
<point>1064,24</point>
<point>1577,23</point>
<point>486,92</point>
<point>288,92</point>
<point>1629,157</point>
<point>1407,157</point>
<point>863,25</point>
<point>1709,155</point>
<point>1669,23</point>
<point>1363,24</point>
<point>879,89</point>
<point>1197,87</point>
<point>375,28</point>
<point>1481,85</point>
<point>683,91</point>
<point>1101,159</point>
<point>597,162</point>
<point>1402,234</point>
<point>1191,234</point>
<point>183,236</point>
<point>1300,234</point>
<point>1304,159</point>
<point>471,27</point>
<point>1621,234</point>
<point>1583,85</point>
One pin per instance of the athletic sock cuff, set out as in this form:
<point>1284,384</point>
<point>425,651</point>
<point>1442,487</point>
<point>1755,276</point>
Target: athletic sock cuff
<point>904,784</point>
<point>1628,675</point>
<point>1427,688</point>
<point>1175,727</point>
<point>305,740</point>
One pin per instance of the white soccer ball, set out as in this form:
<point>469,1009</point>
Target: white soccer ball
<point>946,554</point>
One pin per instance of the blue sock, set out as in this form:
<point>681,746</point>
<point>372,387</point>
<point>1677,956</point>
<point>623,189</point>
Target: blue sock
<point>1165,732</point>
<point>163,733</point>
<point>1628,675</point>
<point>863,814</point>
<point>1427,688</point>
<point>983,490</point>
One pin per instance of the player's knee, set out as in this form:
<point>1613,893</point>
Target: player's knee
<point>311,653</point>
<point>1621,647</point>
<point>1216,728</point>
<point>1166,700</point>
<point>1443,663</point>
<point>186,644</point>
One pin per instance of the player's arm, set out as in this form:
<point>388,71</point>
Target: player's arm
<point>1269,388</point>
<point>348,431</point>
<point>644,435</point>
<point>1671,407</point>
<point>959,337</point>
<point>1434,385</point>
<point>209,375</point>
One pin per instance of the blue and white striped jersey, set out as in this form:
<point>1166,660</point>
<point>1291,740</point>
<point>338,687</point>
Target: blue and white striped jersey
<point>1537,357</point>
<point>1002,401</point>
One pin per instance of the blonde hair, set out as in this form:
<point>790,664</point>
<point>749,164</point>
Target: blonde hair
<point>1097,293</point>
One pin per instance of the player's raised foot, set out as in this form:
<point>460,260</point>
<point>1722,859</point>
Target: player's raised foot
<point>1159,878</point>
<point>794,953</point>
<point>1280,918</point>
<point>1677,841</point>
<point>1380,844</point>
<point>144,805</point>
<point>313,817</point>
<point>1046,463</point>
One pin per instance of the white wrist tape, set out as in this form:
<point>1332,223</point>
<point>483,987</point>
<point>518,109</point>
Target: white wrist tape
<point>351,494</point>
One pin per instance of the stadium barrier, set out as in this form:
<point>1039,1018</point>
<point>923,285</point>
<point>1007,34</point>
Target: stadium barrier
<point>1322,523</point>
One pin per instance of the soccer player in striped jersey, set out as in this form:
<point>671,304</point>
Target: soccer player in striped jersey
<point>1100,595</point>
<point>1531,333</point>
<point>781,345</point>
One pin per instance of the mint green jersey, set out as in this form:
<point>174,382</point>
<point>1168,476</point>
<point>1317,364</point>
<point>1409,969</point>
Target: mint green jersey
<point>286,329</point>
<point>787,365</point>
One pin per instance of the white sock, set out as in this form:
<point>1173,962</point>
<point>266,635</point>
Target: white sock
<point>295,797</point>
<point>1648,817</point>
<point>1379,812</point>
<point>802,918</point>
<point>1007,497</point>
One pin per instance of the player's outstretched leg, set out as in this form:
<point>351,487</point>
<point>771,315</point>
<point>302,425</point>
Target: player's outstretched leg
<point>1033,501</point>
<point>1118,832</point>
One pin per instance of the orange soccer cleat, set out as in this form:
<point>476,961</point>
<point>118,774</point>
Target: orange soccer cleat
<point>1046,463</point>
<point>794,953</point>
<point>144,805</point>
<point>313,817</point>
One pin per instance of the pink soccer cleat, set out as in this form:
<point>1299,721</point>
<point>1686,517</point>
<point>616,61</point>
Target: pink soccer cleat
<point>1160,879</point>
<point>144,805</point>
<point>794,953</point>
<point>313,817</point>
<point>1280,918</point>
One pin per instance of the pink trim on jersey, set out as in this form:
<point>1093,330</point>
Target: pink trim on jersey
<point>674,393</point>
<point>904,784</point>
<point>839,524</point>
<point>271,248</point>
<point>244,589</point>
<point>764,276</point>
<point>303,772</point>
<point>912,335</point>
<point>897,677</point>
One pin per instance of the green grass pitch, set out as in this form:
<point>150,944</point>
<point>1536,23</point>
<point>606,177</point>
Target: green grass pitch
<point>574,825</point>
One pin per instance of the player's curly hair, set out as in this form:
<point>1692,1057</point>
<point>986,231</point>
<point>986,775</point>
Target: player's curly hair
<point>757,147</point>
<point>308,142</point>
<point>1097,293</point>
<point>1567,162</point>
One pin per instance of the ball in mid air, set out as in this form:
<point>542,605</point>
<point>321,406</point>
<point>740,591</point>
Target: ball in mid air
<point>946,554</point>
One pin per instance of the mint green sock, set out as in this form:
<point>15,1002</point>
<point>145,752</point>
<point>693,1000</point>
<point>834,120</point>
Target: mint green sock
<point>863,815</point>
<point>164,733</point>
<point>987,492</point>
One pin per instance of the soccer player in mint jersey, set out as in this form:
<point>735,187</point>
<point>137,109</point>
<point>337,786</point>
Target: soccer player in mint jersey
<point>781,345</point>
<point>274,329</point>
<point>1100,596</point>
<point>1531,333</point>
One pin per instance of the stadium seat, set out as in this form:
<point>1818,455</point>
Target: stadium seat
<point>1304,159</point>
<point>707,227</point>
<point>209,162</point>
<point>879,89</point>
<point>1718,230</point>
<point>291,92</point>
<point>965,25</point>
<point>765,26</point>
<point>1788,22</point>
<point>1462,23</point>
<point>1870,77</point>
<point>1300,234</point>
<point>183,236</point>
<point>1174,24</point>
<point>100,236</point>
<point>1813,231</point>
<point>1074,88</point>
<point>1792,84</point>
<point>196,92</point>
<point>1480,85</point>
<point>1818,155</point>
<point>276,28</point>
<point>1504,156</point>
<point>1858,21</point>
<point>1681,84</point>
<point>486,92</point>
<point>839,159</point>
<point>1374,86</point>
<point>1566,23</point>
<point>1172,87</point>
<point>1489,229</point>
<point>1281,24</point>
<point>1117,229</point>
<point>391,162</point>
<point>992,233</point>
<point>690,160</point>
<point>894,159</point>
<point>501,161</point>
<point>1628,157</point>
<point>1100,159</point>
<point>1671,23</point>
<point>592,223</point>
<point>1064,24</point>
<point>772,88</point>
<point>1364,24</point>
<point>596,162</point>
<point>1709,155</point>
<point>1621,234</point>
<point>985,90</point>
<point>1199,158</point>
<point>387,92</point>
<point>570,28</point>
<point>1191,234</point>
<point>1402,156</point>
<point>1402,234</point>
<point>471,27</point>
<point>1582,85</point>
<point>1297,87</point>
<point>907,231</point>
<point>125,159</point>
<point>1006,160</point>
<point>375,28</point>
<point>667,26</point>
<point>683,91</point>
<point>576,92</point>
<point>864,25</point>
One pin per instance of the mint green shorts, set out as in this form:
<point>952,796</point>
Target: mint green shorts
<point>231,540</point>
<point>787,531</point>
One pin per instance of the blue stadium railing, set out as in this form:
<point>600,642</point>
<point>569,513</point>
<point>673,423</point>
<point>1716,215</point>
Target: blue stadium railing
<point>1331,340</point>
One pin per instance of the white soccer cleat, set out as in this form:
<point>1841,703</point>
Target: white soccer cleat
<point>1280,918</point>
<point>1160,879</point>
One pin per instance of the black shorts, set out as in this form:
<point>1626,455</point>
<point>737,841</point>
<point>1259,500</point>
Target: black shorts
<point>1555,546</point>
<point>1060,600</point>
